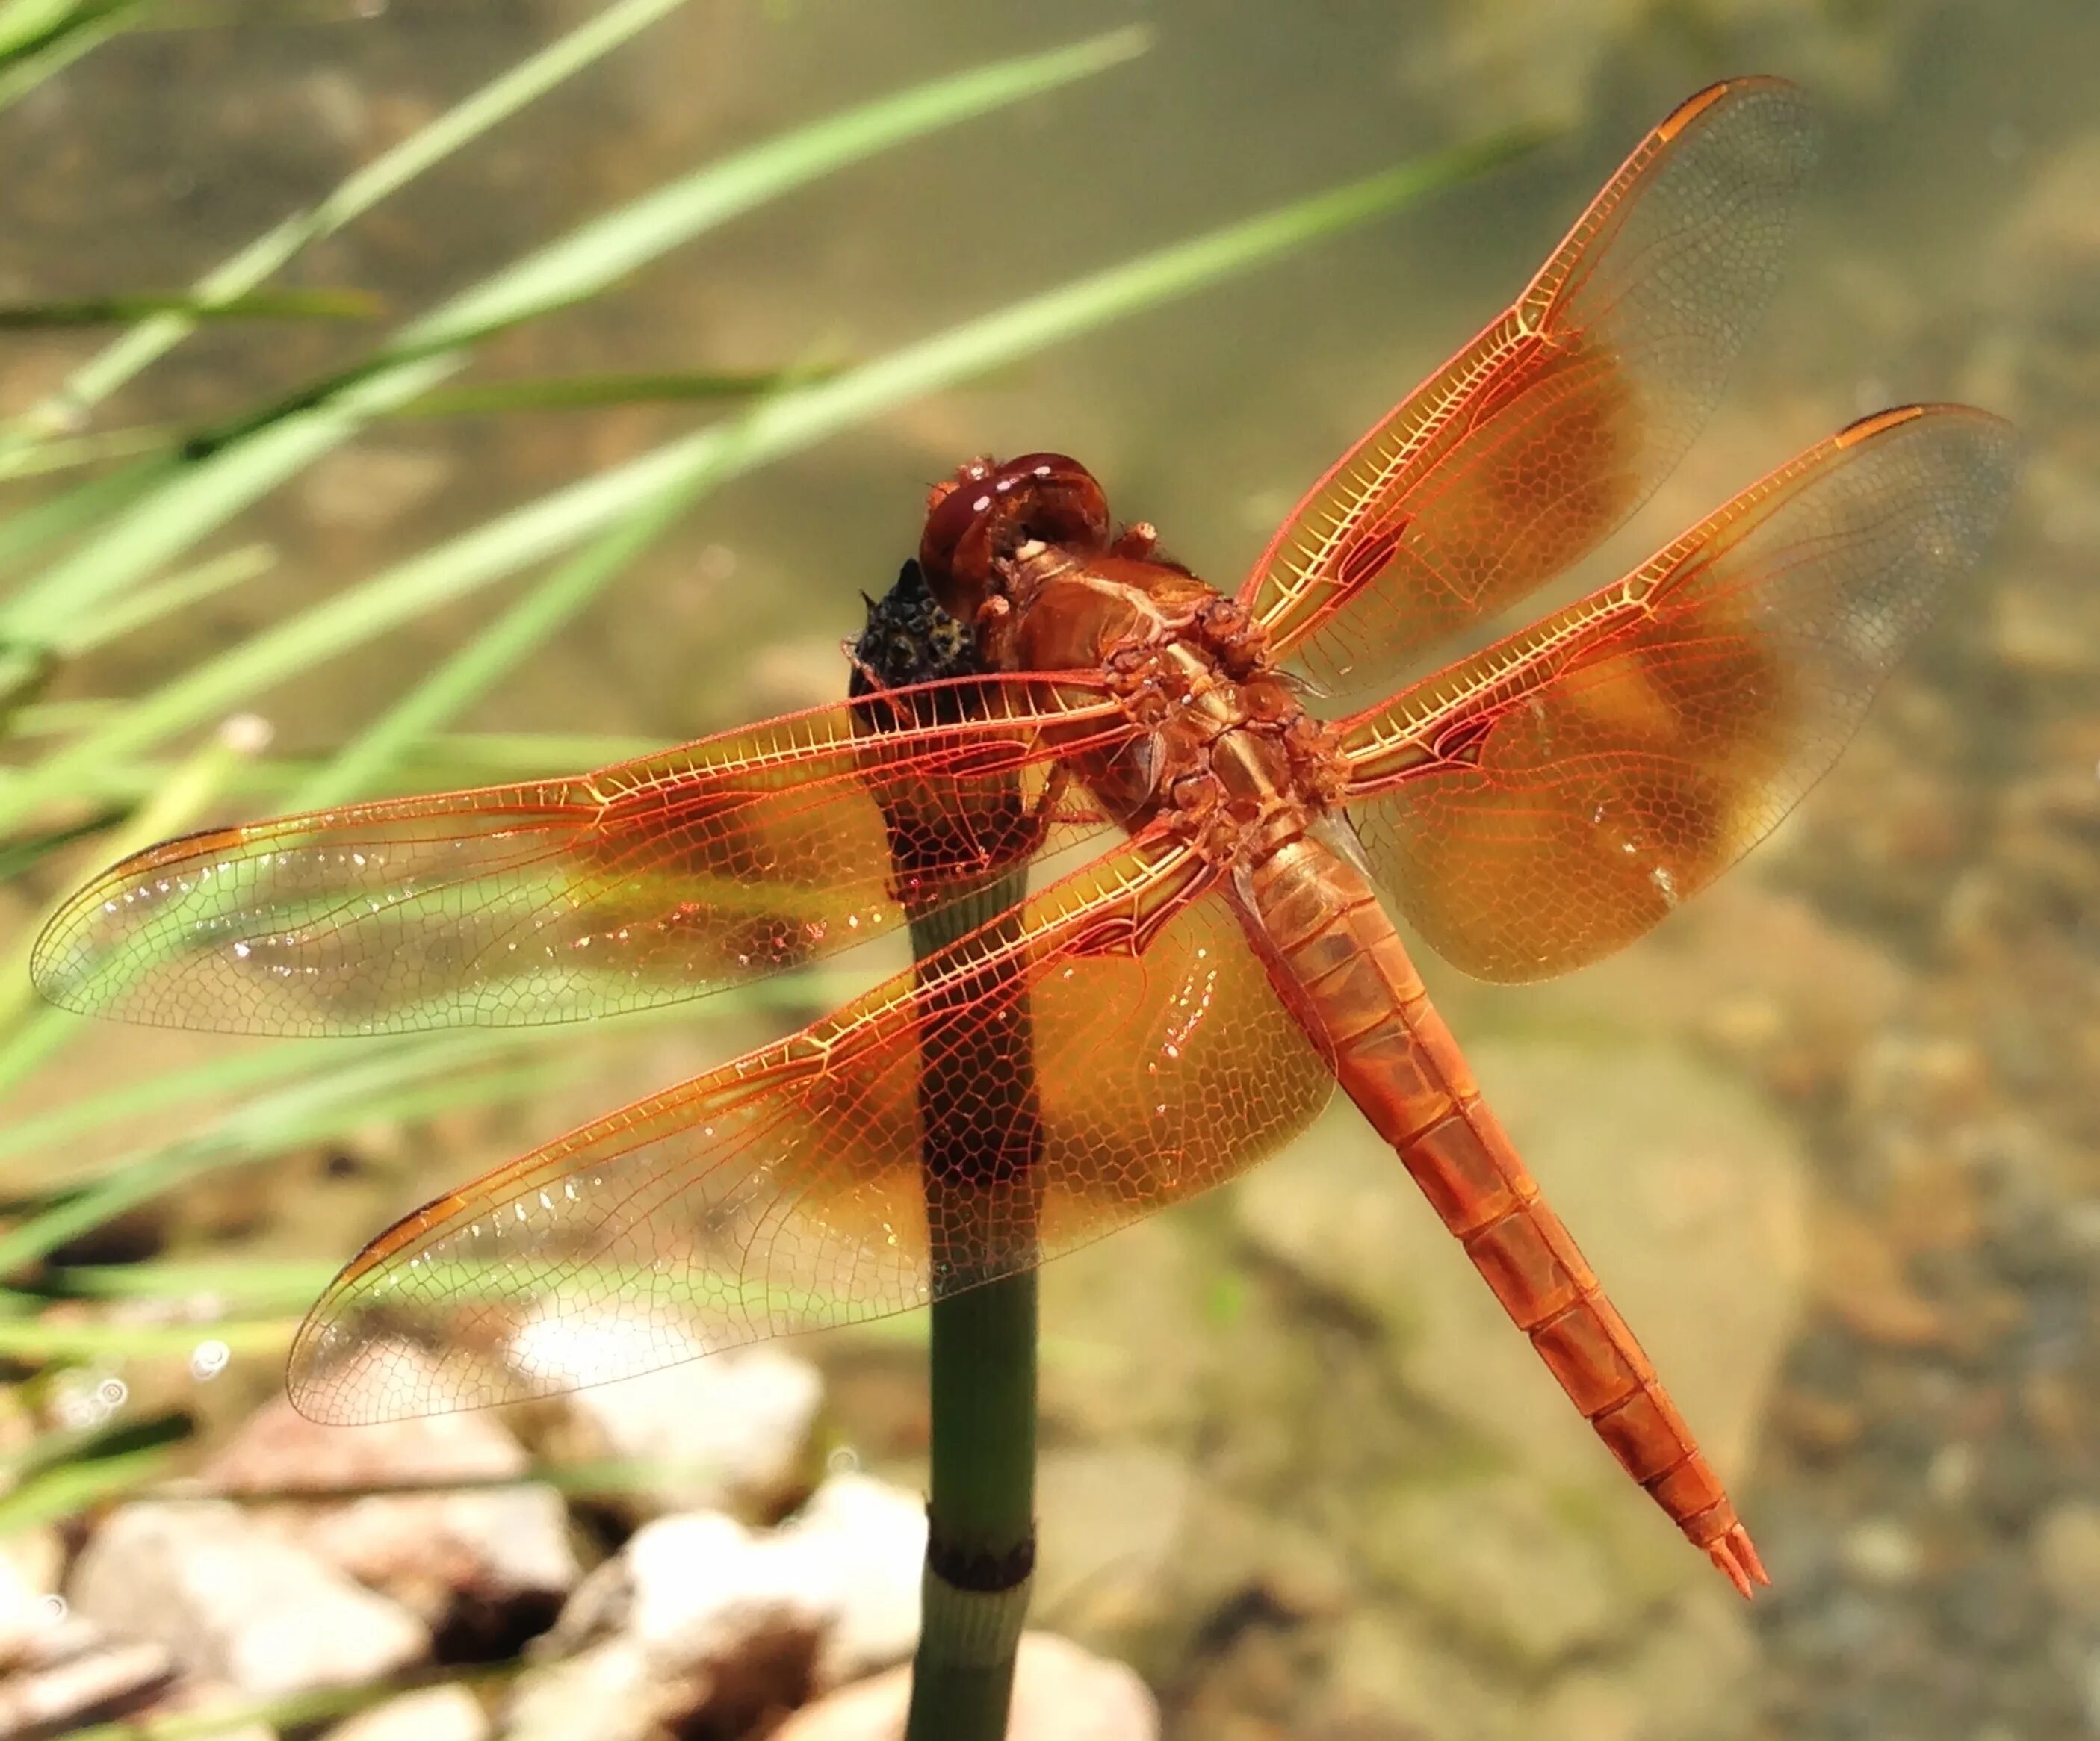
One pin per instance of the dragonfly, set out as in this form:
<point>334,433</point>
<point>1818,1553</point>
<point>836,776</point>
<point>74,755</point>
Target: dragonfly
<point>1254,787</point>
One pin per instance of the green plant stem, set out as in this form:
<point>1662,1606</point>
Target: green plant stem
<point>981,1379</point>
<point>977,1079</point>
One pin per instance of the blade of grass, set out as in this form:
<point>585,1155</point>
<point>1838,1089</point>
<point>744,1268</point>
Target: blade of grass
<point>23,853</point>
<point>72,1488</point>
<point>429,146</point>
<point>239,1284</point>
<point>44,1340</point>
<point>87,505</point>
<point>76,1445</point>
<point>314,1110</point>
<point>479,666</point>
<point>517,754</point>
<point>161,1093</point>
<point>172,809</point>
<point>584,261</point>
<point>29,27</point>
<point>178,591</point>
<point>259,305</point>
<point>490,399</point>
<point>57,719</point>
<point>790,997</point>
<point>795,421</point>
<point>31,55</point>
<point>71,452</point>
<point>593,392</point>
<point>301,1711</point>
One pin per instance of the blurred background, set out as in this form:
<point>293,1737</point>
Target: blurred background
<point>1829,1135</point>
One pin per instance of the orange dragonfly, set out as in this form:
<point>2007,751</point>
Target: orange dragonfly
<point>1187,1001</point>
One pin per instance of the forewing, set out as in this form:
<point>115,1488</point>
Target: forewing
<point>641,885</point>
<point>789,1190</point>
<point>1540,805</point>
<point>1534,442</point>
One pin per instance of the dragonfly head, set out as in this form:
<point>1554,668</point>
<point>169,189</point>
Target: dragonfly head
<point>988,510</point>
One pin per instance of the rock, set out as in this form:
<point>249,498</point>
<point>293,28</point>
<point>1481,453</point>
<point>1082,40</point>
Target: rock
<point>703,1623</point>
<point>845,1571</point>
<point>365,488</point>
<point>30,1606</point>
<point>1128,1326</point>
<point>194,1703</point>
<point>1492,1562</point>
<point>729,1432</point>
<point>1880,1553</point>
<point>2066,1549</point>
<point>1390,1674</point>
<point>435,1713</point>
<point>1113,1523</point>
<point>64,1690</point>
<point>1061,1693</point>
<point>485,1568</point>
<point>608,1692</point>
<point>1496,1546</point>
<point>1860,1279</point>
<point>2047,255</point>
<point>235,1602</point>
<point>871,1537</point>
<point>1684,1191</point>
<point>1680,1682</point>
<point>704,1588</point>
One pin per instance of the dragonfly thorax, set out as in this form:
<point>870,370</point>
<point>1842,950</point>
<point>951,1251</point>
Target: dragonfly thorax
<point>1025,553</point>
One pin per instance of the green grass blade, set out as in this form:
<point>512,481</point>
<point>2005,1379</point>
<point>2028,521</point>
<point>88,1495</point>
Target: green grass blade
<point>163,598</point>
<point>260,305</point>
<point>478,399</point>
<point>283,1061</point>
<point>60,719</point>
<point>94,1340</point>
<point>102,375</point>
<point>482,663</point>
<point>237,1285</point>
<point>579,266</point>
<point>411,1082</point>
<point>72,1488</point>
<point>793,421</point>
<point>31,53</point>
<point>171,809</point>
<point>29,26</point>
<point>71,452</point>
<point>594,392</point>
<point>82,507</point>
<point>301,1713</point>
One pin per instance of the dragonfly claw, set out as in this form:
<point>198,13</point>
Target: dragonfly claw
<point>1737,1556</point>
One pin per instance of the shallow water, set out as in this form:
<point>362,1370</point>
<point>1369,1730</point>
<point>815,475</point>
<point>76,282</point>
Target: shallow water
<point>1875,1270</point>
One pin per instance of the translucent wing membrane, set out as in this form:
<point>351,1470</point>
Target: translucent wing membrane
<point>1541,804</point>
<point>1533,443</point>
<point>641,885</point>
<point>787,1190</point>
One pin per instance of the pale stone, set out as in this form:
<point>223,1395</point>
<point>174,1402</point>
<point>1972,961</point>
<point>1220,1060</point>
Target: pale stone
<point>436,1713</point>
<point>1684,1189</point>
<point>2068,1551</point>
<point>1492,1562</point>
<point>235,1602</point>
<point>1061,1693</point>
<point>1113,1521</point>
<point>728,1432</point>
<point>485,1550</point>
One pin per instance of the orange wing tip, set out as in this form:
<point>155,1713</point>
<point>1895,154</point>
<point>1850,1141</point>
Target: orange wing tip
<point>1735,1557</point>
<point>1867,428</point>
<point>1696,105</point>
